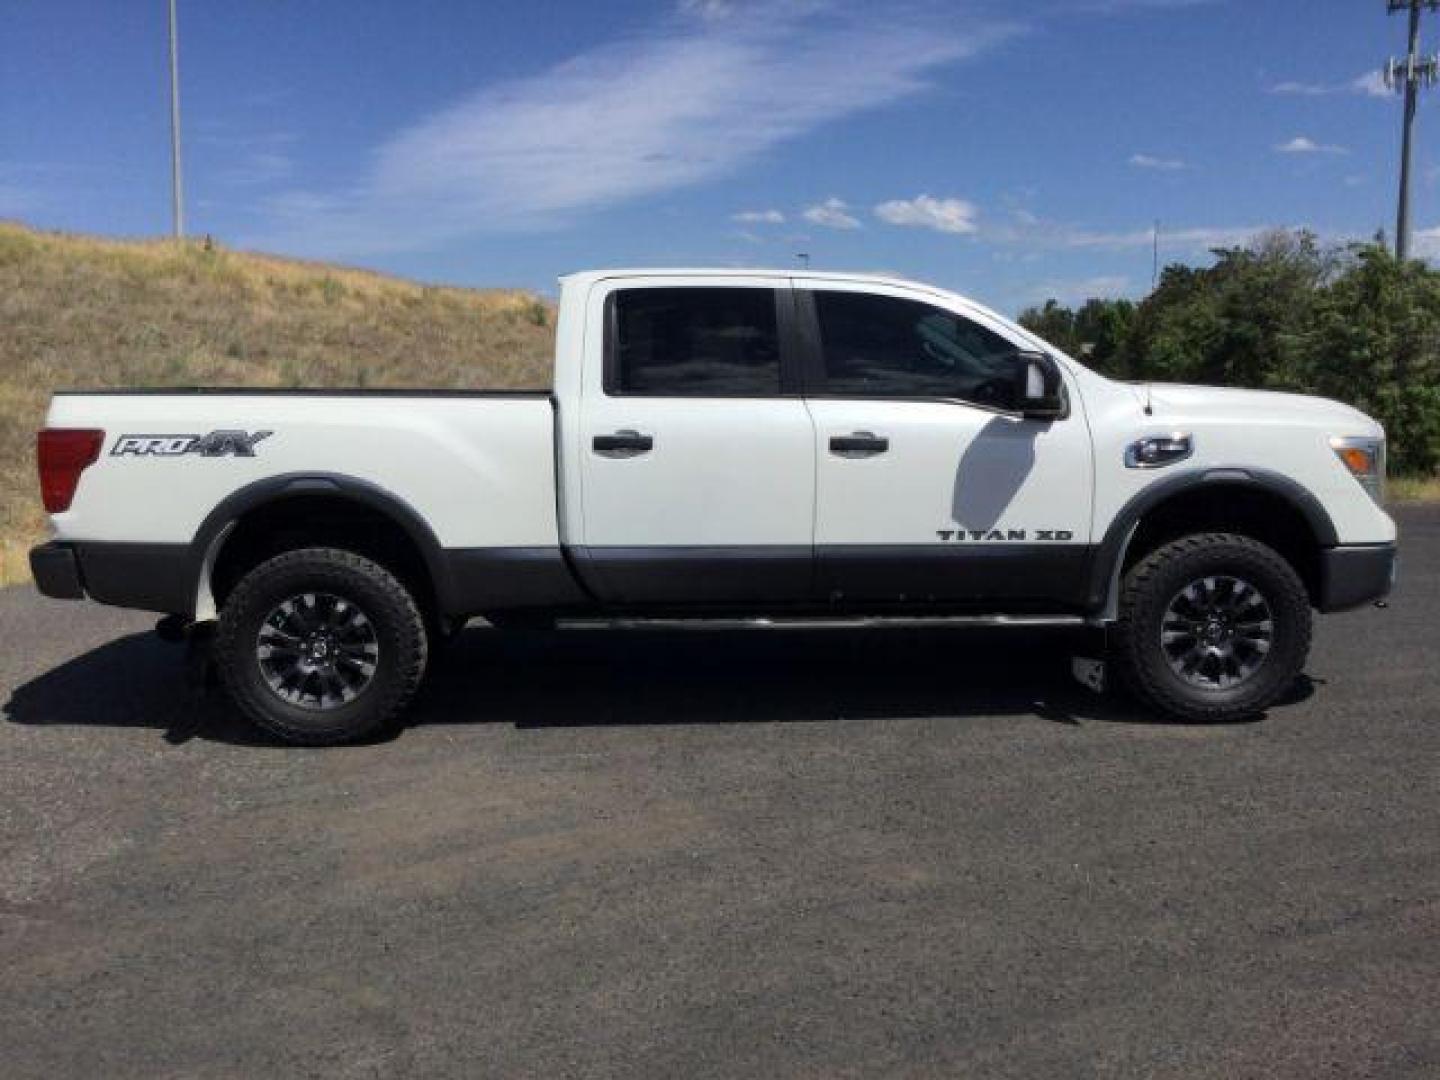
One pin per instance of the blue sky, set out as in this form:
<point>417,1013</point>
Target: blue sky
<point>1008,150</point>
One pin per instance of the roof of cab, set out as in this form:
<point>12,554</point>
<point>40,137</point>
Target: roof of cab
<point>586,278</point>
<point>589,276</point>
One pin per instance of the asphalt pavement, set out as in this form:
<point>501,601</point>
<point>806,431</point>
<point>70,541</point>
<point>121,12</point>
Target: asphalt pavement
<point>827,853</point>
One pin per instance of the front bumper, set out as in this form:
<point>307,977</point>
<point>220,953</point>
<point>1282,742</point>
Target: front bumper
<point>1356,574</point>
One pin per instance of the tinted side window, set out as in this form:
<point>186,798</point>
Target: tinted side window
<point>695,343</point>
<point>883,346</point>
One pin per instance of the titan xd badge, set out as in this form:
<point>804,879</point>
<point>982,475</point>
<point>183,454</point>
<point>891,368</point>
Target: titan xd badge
<point>1006,535</point>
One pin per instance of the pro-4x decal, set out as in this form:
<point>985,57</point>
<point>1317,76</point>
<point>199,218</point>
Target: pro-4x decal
<point>215,444</point>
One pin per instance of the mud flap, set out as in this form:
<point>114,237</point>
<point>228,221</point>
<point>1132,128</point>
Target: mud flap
<point>200,676</point>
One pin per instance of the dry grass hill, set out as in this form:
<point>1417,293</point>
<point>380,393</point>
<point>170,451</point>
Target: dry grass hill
<point>78,311</point>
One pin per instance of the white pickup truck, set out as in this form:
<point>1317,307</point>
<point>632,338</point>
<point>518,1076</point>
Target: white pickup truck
<point>723,444</point>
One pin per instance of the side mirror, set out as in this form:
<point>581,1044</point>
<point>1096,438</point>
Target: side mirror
<point>1040,393</point>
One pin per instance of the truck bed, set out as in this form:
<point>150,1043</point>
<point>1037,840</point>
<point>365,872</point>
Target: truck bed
<point>477,466</point>
<point>300,391</point>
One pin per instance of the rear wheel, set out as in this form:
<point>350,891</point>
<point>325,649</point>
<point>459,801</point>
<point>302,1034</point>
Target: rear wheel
<point>1212,627</point>
<point>321,646</point>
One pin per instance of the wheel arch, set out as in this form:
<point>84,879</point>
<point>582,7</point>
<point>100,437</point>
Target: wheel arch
<point>225,526</point>
<point>1284,513</point>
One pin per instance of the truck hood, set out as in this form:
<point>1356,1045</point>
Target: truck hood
<point>1176,401</point>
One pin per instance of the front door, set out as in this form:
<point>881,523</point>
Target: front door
<point>929,489</point>
<point>698,475</point>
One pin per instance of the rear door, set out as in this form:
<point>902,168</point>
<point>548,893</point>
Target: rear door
<point>929,488</point>
<point>698,474</point>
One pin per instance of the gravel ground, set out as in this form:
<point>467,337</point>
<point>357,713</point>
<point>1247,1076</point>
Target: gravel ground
<point>801,853</point>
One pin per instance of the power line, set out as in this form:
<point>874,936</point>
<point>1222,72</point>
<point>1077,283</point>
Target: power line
<point>1409,75</point>
<point>177,193</point>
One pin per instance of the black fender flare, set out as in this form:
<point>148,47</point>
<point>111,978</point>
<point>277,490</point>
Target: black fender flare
<point>275,489</point>
<point>1110,553</point>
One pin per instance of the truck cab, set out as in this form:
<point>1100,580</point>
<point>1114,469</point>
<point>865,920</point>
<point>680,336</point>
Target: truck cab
<point>816,440</point>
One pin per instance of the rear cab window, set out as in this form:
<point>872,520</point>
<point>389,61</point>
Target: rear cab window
<point>693,342</point>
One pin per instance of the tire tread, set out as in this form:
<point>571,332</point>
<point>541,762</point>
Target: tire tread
<point>1139,587</point>
<point>239,608</point>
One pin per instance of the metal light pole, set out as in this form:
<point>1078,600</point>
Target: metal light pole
<point>177,193</point>
<point>1408,75</point>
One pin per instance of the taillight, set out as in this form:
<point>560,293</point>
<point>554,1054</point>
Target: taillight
<point>63,454</point>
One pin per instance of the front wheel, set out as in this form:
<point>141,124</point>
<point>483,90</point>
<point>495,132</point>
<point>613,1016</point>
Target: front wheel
<point>1213,627</point>
<point>321,646</point>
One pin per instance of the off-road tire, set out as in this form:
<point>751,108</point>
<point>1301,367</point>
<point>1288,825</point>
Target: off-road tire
<point>1146,593</point>
<point>398,627</point>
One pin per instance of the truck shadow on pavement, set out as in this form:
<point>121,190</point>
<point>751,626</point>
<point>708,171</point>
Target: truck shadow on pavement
<point>575,678</point>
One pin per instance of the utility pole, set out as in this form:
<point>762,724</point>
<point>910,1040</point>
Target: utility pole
<point>177,193</point>
<point>1155,257</point>
<point>1409,75</point>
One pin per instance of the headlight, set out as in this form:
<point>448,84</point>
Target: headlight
<point>1364,457</point>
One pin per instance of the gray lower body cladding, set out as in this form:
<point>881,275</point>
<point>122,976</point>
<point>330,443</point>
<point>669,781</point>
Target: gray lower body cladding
<point>1027,577</point>
<point>165,577</point>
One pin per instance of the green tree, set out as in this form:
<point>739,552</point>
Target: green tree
<point>1283,313</point>
<point>1233,323</point>
<point>1094,334</point>
<point>1373,340</point>
<point>1055,323</point>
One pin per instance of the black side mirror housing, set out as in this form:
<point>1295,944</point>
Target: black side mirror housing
<point>1040,391</point>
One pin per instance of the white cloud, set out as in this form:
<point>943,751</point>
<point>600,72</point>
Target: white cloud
<point>258,167</point>
<point>759,217</point>
<point>1302,89</point>
<point>1037,234</point>
<point>1426,242</point>
<point>1116,7</point>
<point>216,133</point>
<point>926,212</point>
<point>1149,161</point>
<point>1371,84</point>
<point>688,102</point>
<point>1073,293</point>
<point>707,9</point>
<point>1200,238</point>
<point>27,189</point>
<point>16,201</point>
<point>833,213</point>
<point>1303,145</point>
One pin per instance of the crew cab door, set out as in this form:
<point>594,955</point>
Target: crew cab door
<point>929,487</point>
<point>697,451</point>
